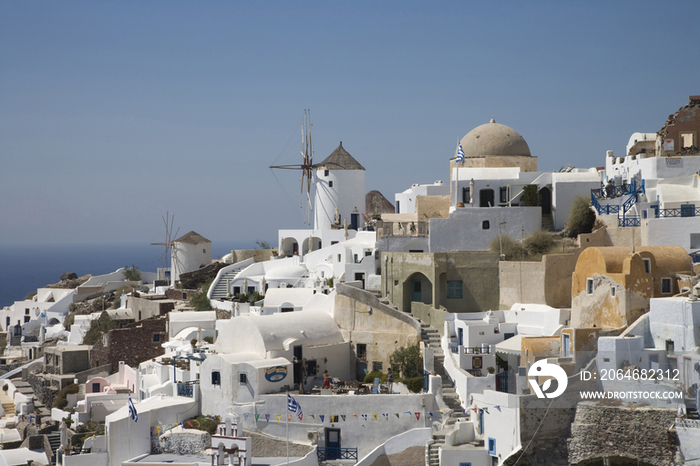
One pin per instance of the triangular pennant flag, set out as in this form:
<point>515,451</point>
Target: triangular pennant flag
<point>313,416</point>
<point>386,416</point>
<point>486,410</point>
<point>375,416</point>
<point>355,415</point>
<point>342,416</point>
<point>257,416</point>
<point>245,416</point>
<point>397,414</point>
<point>334,417</point>
<point>321,416</point>
<point>158,429</point>
<point>278,416</point>
<point>498,407</point>
<point>364,417</point>
<point>474,409</point>
<point>417,416</point>
<point>430,413</point>
<point>289,418</point>
<point>267,417</point>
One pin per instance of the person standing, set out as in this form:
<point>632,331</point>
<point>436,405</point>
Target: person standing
<point>390,381</point>
<point>326,379</point>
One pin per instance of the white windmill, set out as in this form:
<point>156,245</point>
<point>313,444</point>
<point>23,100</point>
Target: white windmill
<point>168,243</point>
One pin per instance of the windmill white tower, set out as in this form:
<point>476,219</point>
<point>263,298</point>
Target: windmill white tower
<point>167,242</point>
<point>340,184</point>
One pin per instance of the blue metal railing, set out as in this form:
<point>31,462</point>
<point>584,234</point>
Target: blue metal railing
<point>185,389</point>
<point>331,453</point>
<point>629,222</point>
<point>679,212</point>
<point>603,209</point>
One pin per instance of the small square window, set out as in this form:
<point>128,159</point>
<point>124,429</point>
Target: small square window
<point>26,312</point>
<point>492,446</point>
<point>454,289</point>
<point>330,184</point>
<point>27,319</point>
<point>485,225</point>
<point>325,172</point>
<point>377,366</point>
<point>396,283</point>
<point>156,338</point>
<point>204,251</point>
<point>243,378</point>
<point>666,285</point>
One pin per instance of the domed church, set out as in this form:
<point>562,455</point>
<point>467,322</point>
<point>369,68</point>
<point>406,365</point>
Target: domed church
<point>494,145</point>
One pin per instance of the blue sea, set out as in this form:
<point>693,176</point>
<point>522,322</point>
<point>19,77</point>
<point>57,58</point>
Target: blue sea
<point>24,268</point>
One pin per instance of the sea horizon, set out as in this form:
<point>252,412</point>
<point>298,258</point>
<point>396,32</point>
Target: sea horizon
<point>26,267</point>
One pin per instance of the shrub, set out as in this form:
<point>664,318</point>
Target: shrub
<point>369,378</point>
<point>30,296</point>
<point>209,340</point>
<point>511,248</point>
<point>132,274</point>
<point>199,301</point>
<point>407,361</point>
<point>581,217</point>
<point>414,384</point>
<point>97,328</point>
<point>68,321</point>
<point>60,401</point>
<point>539,243</point>
<point>205,423</point>
<point>530,197</point>
<point>98,304</point>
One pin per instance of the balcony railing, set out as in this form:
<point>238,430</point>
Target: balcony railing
<point>689,211</point>
<point>470,349</point>
<point>331,453</point>
<point>629,222</point>
<point>185,389</point>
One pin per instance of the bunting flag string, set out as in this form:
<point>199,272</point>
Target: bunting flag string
<point>267,417</point>
<point>486,410</point>
<point>257,416</point>
<point>245,416</point>
<point>321,416</point>
<point>278,416</point>
<point>343,417</point>
<point>417,416</point>
<point>355,415</point>
<point>313,416</point>
<point>430,413</point>
<point>375,416</point>
<point>397,414</point>
<point>386,416</point>
<point>364,417</point>
<point>334,418</point>
<point>289,418</point>
<point>158,427</point>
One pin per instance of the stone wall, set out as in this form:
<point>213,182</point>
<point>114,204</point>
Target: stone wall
<point>623,432</point>
<point>132,344</point>
<point>42,388</point>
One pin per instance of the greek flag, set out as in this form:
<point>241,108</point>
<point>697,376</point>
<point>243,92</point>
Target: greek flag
<point>132,410</point>
<point>294,407</point>
<point>460,154</point>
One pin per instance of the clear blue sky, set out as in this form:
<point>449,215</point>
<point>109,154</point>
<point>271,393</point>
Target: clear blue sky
<point>112,113</point>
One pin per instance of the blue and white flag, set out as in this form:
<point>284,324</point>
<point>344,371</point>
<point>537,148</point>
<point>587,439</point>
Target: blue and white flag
<point>460,154</point>
<point>132,410</point>
<point>294,407</point>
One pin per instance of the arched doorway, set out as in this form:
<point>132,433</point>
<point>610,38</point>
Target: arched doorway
<point>546,201</point>
<point>417,288</point>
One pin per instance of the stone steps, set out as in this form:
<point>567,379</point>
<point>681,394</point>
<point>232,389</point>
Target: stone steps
<point>220,291</point>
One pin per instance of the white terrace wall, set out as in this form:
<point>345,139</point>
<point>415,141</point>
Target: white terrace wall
<point>356,430</point>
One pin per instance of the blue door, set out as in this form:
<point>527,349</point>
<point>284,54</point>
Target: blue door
<point>354,221</point>
<point>332,444</point>
<point>566,345</point>
<point>415,290</point>
<point>460,335</point>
